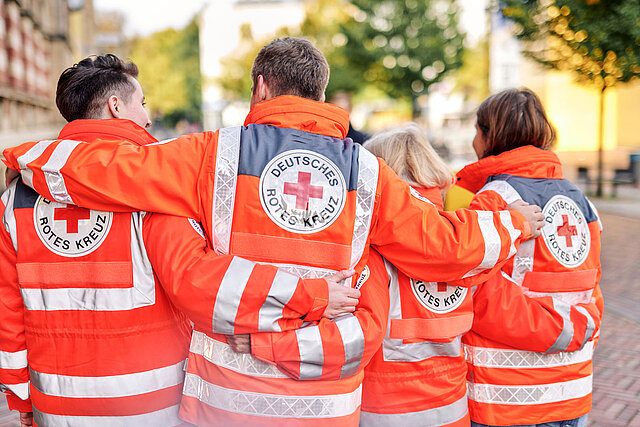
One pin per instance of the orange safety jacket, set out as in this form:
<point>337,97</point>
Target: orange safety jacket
<point>417,378</point>
<point>82,320</point>
<point>535,371</point>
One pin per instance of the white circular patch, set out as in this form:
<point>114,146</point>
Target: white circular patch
<point>438,297</point>
<point>566,232</point>
<point>69,230</point>
<point>302,191</point>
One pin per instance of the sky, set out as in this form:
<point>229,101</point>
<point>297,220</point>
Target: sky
<point>144,17</point>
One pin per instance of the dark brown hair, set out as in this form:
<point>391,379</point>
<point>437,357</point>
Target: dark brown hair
<point>514,118</point>
<point>292,66</point>
<point>84,89</point>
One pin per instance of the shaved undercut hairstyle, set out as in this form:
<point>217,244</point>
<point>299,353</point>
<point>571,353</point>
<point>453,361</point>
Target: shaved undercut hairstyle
<point>84,89</point>
<point>292,66</point>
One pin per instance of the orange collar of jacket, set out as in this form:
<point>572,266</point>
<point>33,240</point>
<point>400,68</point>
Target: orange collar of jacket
<point>293,112</point>
<point>106,129</point>
<point>527,162</point>
<point>433,194</point>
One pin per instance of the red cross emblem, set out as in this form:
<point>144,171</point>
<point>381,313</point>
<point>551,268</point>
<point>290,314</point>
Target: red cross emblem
<point>72,214</point>
<point>567,231</point>
<point>303,190</point>
<point>442,287</point>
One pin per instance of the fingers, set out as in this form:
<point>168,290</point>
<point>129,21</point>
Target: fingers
<point>341,275</point>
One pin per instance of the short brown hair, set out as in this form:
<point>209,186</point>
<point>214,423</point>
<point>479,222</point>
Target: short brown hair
<point>84,89</point>
<point>292,66</point>
<point>514,118</point>
<point>406,149</point>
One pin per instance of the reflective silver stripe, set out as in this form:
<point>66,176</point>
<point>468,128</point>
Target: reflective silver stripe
<point>35,152</point>
<point>492,243</point>
<point>282,289</point>
<point>504,190</point>
<point>353,342</point>
<point>164,141</point>
<point>272,405</point>
<point>163,418</point>
<point>505,219</point>
<point>519,359</point>
<point>571,298</point>
<point>13,359</point>
<point>428,418</point>
<point>394,350</point>
<point>588,333</point>
<point>523,261</point>
<point>221,354</point>
<point>51,170</point>
<point>224,190</point>
<point>229,295</point>
<point>311,355</point>
<point>303,271</point>
<point>419,196</point>
<point>143,292</point>
<point>597,214</point>
<point>367,184</point>
<point>529,394</point>
<point>108,386</point>
<point>564,339</point>
<point>21,390</point>
<point>9,218</point>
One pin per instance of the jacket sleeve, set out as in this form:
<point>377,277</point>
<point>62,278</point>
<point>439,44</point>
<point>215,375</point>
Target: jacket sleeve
<point>464,247</point>
<point>333,349</point>
<point>224,293</point>
<point>541,324</point>
<point>14,373</point>
<point>100,175</point>
<point>535,323</point>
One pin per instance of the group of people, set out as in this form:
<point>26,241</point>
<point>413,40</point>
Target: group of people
<point>278,273</point>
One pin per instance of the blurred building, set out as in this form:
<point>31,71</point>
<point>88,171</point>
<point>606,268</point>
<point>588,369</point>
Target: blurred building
<point>95,32</point>
<point>572,108</point>
<point>221,24</point>
<point>34,49</point>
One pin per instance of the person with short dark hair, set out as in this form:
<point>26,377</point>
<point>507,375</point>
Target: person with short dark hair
<point>87,334</point>
<point>533,372</point>
<point>285,189</point>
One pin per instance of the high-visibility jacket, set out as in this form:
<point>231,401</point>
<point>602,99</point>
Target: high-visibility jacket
<point>87,337</point>
<point>191,277</point>
<point>535,371</point>
<point>418,377</point>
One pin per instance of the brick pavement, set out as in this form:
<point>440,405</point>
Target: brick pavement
<point>616,396</point>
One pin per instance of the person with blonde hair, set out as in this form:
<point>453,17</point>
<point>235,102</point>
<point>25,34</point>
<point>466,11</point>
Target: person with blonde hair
<point>418,375</point>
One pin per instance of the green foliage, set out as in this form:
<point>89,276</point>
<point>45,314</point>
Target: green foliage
<point>169,63</point>
<point>598,39</point>
<point>403,46</point>
<point>472,78</point>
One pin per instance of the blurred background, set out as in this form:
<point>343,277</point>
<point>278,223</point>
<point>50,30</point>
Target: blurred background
<point>431,61</point>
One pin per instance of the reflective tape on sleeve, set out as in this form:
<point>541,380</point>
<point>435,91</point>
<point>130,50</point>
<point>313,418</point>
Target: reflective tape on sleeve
<point>529,394</point>
<point>564,339</point>
<point>35,152</point>
<point>505,219</point>
<point>21,390</point>
<point>504,190</point>
<point>283,287</point>
<point>492,243</point>
<point>229,295</point>
<point>9,218</point>
<point>520,359</point>
<point>51,170</point>
<point>272,405</point>
<point>166,417</point>
<point>440,416</point>
<point>13,359</point>
<point>108,386</point>
<point>311,352</point>
<point>353,342</point>
<point>588,333</point>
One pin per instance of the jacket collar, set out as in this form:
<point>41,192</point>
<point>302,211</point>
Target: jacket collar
<point>293,112</point>
<point>117,129</point>
<point>527,162</point>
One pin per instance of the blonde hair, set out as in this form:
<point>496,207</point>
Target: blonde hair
<point>408,152</point>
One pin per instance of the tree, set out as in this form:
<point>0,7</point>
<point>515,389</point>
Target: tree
<point>169,62</point>
<point>597,40</point>
<point>403,46</point>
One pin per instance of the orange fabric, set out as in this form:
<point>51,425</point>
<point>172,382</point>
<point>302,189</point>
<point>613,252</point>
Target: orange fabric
<point>534,323</point>
<point>434,329</point>
<point>70,274</point>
